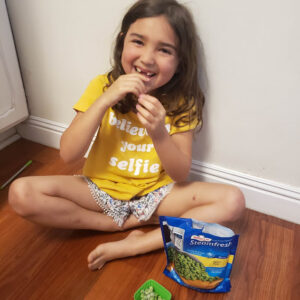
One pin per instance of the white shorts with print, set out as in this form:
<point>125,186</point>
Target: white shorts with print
<point>141,207</point>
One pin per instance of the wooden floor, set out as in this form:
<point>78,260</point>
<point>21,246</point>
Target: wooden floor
<point>44,263</point>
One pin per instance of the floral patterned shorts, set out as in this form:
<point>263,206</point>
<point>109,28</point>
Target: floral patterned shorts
<point>141,207</point>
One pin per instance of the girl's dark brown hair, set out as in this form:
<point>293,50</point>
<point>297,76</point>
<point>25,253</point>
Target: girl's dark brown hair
<point>182,94</point>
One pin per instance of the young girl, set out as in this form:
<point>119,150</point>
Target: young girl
<point>145,110</point>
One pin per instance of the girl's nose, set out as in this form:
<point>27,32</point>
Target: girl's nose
<point>147,57</point>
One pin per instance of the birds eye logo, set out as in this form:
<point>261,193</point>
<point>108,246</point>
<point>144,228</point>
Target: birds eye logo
<point>200,238</point>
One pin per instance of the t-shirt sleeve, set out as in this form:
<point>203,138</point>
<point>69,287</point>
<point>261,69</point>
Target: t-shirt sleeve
<point>92,93</point>
<point>183,126</point>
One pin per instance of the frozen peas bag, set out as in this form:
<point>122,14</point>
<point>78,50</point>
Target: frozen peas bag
<point>199,255</point>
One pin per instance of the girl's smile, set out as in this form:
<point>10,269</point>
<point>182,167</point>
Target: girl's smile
<point>150,49</point>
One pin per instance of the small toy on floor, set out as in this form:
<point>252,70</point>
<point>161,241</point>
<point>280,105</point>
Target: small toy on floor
<point>15,175</point>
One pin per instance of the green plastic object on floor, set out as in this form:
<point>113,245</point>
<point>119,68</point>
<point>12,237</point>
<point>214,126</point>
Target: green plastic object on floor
<point>158,289</point>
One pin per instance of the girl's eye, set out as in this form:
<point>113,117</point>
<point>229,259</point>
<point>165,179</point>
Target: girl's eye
<point>138,42</point>
<point>166,51</point>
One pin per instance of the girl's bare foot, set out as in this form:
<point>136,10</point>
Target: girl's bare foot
<point>113,250</point>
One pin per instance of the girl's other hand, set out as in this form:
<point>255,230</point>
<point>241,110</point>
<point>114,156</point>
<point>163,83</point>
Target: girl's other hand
<point>129,83</point>
<point>151,114</point>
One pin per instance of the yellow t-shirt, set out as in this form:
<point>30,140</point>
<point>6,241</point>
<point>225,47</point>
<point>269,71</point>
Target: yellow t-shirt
<point>123,161</point>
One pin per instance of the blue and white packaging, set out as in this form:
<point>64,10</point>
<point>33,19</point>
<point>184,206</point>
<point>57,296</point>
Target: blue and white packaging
<point>199,254</point>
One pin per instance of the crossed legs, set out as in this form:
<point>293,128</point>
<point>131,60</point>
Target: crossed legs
<point>66,202</point>
<point>60,201</point>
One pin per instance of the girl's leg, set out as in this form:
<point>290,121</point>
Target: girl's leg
<point>206,202</point>
<point>61,201</point>
<point>203,201</point>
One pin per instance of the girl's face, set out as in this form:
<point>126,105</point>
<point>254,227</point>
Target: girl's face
<point>150,48</point>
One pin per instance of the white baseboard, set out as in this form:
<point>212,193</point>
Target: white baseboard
<point>43,131</point>
<point>272,198</point>
<point>8,138</point>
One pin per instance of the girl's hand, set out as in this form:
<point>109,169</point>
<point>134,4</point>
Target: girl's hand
<point>151,114</point>
<point>129,83</point>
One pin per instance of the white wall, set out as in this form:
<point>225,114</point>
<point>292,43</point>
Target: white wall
<point>253,66</point>
<point>253,63</point>
<point>62,45</point>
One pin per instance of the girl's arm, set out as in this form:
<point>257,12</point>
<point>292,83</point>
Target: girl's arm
<point>175,152</point>
<point>76,139</point>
